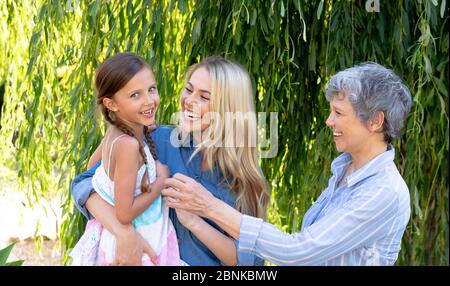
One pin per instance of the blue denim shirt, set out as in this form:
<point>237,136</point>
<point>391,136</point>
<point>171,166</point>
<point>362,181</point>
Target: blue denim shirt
<point>192,250</point>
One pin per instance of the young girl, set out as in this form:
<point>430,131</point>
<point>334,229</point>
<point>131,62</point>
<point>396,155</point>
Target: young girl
<point>128,178</point>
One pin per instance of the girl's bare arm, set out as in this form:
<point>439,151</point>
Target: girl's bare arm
<point>127,163</point>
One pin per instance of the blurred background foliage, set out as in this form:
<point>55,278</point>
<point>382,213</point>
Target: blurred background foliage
<point>49,126</point>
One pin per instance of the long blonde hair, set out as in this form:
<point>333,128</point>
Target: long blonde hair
<point>232,99</point>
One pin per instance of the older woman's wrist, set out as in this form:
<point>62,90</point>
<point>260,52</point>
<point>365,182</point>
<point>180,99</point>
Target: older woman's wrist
<point>211,209</point>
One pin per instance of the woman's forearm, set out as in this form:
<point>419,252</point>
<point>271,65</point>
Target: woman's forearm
<point>228,218</point>
<point>105,214</point>
<point>96,156</point>
<point>221,245</point>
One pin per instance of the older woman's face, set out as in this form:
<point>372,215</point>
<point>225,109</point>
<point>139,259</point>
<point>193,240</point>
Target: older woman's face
<point>195,101</point>
<point>349,133</point>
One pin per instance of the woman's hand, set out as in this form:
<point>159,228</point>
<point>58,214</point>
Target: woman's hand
<point>185,193</point>
<point>187,219</point>
<point>130,246</point>
<point>192,195</point>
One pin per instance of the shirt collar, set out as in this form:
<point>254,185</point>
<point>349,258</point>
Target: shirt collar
<point>372,167</point>
<point>189,145</point>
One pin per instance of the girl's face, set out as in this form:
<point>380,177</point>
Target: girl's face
<point>195,101</point>
<point>135,104</point>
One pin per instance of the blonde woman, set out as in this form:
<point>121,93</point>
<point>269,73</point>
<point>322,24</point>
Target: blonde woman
<point>214,145</point>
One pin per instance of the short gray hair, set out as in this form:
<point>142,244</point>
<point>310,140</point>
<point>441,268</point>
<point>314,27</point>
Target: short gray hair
<point>372,88</point>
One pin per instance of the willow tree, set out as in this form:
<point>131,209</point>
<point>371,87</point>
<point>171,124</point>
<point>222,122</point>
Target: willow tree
<point>291,47</point>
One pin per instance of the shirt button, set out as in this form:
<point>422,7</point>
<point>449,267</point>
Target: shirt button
<point>197,177</point>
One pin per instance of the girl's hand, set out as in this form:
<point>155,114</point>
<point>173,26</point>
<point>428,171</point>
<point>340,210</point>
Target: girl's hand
<point>162,173</point>
<point>152,126</point>
<point>185,193</point>
<point>130,246</point>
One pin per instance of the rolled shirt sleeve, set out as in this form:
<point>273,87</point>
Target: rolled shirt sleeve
<point>82,188</point>
<point>245,258</point>
<point>250,228</point>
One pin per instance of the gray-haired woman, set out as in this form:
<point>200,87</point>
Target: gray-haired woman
<point>361,216</point>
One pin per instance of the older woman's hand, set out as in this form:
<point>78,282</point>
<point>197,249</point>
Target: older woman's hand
<point>188,219</point>
<point>183,192</point>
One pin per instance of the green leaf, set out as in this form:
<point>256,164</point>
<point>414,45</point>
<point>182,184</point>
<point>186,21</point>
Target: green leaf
<point>441,86</point>
<point>36,36</point>
<point>42,12</point>
<point>4,253</point>
<point>15,263</point>
<point>182,5</point>
<point>93,8</point>
<point>297,5</point>
<point>254,17</point>
<point>428,67</point>
<point>319,10</point>
<point>196,31</point>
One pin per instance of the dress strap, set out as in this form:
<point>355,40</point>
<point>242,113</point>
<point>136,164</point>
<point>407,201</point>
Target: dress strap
<point>110,151</point>
<point>150,166</point>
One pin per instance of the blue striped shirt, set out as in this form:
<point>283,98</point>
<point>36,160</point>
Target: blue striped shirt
<point>360,223</point>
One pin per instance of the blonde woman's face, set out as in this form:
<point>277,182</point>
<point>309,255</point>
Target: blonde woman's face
<point>195,101</point>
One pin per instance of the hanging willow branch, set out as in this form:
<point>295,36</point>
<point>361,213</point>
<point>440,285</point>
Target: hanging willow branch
<point>291,47</point>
